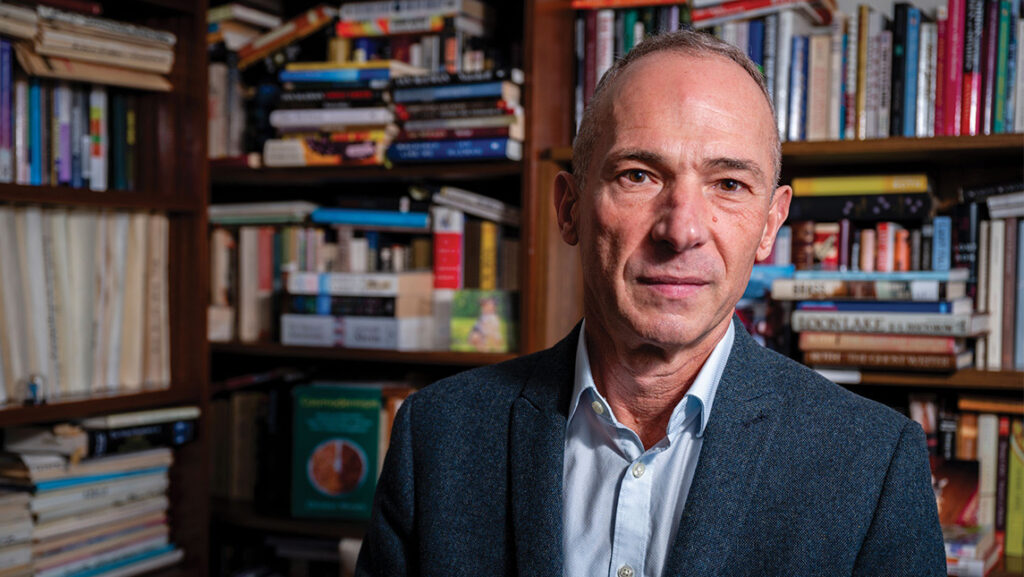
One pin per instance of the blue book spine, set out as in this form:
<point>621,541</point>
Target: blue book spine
<point>90,479</point>
<point>77,126</point>
<point>335,75</point>
<point>842,87</point>
<point>953,275</point>
<point>358,217</point>
<point>123,562</point>
<point>449,92</point>
<point>455,150</point>
<point>6,112</point>
<point>35,132</point>
<point>910,72</point>
<point>755,42</point>
<point>934,307</point>
<point>942,243</point>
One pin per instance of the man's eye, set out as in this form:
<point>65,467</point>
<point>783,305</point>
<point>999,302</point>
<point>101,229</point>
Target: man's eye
<point>636,176</point>
<point>730,185</point>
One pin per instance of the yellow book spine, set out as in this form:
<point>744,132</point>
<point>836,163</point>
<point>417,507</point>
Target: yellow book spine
<point>488,256</point>
<point>869,184</point>
<point>1015,492</point>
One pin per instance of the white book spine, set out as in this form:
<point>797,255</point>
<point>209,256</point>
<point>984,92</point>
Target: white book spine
<point>21,161</point>
<point>852,37</point>
<point>835,76</point>
<point>315,118</point>
<point>12,303</point>
<point>923,121</point>
<point>783,67</point>
<point>996,257</point>
<point>902,323</point>
<point>988,440</point>
<point>82,230</point>
<point>604,53</point>
<point>98,151</point>
<point>118,245</point>
<point>33,270</point>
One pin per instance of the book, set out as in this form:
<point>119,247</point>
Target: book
<point>38,65</point>
<point>38,468</point>
<point>835,341</point>
<point>504,90</point>
<point>411,9</point>
<point>868,184</point>
<point>953,275</point>
<point>359,284</point>
<point>837,288</point>
<point>317,119</point>
<point>819,12</point>
<point>456,150</point>
<point>990,405</point>
<point>1014,537</point>
<point>321,151</point>
<point>356,332</point>
<point>236,11</point>
<point>138,418</point>
<point>260,212</point>
<point>958,306</point>
<point>939,362</point>
<point>371,218</point>
<point>962,325</point>
<point>427,24</point>
<point>863,207</point>
<point>472,203</point>
<point>336,433</point>
<point>403,305</point>
<point>303,25</point>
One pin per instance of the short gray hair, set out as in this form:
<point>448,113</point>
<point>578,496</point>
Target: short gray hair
<point>685,42</point>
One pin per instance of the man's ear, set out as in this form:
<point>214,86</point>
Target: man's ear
<point>778,210</point>
<point>567,207</point>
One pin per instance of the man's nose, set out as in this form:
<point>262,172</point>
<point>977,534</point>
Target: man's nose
<point>683,216</point>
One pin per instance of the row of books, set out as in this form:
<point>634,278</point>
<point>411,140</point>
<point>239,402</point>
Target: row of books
<point>319,445</point>
<point>85,47</point>
<point>84,302</point>
<point>367,278</point>
<point>977,458</point>
<point>62,134</point>
<point>836,76</point>
<point>90,497</point>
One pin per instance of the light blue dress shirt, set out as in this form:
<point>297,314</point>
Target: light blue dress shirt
<point>622,504</point>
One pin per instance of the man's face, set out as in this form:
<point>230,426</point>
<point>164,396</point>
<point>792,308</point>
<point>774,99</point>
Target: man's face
<point>678,201</point>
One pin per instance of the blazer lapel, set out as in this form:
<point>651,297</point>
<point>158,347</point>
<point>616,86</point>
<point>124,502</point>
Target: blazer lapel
<point>736,439</point>
<point>536,449</point>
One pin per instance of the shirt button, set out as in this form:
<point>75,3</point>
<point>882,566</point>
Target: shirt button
<point>638,471</point>
<point>625,571</point>
<point>598,408</point>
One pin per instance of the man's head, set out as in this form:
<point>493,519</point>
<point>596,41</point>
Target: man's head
<point>674,192</point>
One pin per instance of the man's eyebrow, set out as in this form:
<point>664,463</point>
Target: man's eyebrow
<point>637,154</point>
<point>735,164</point>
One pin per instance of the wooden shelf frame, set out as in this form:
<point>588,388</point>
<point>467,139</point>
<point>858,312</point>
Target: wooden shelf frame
<point>242,514</point>
<point>84,406</point>
<point>438,358</point>
<point>322,175</point>
<point>966,380</point>
<point>67,196</point>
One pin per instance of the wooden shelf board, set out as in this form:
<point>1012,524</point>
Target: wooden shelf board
<point>67,196</point>
<point>317,175</point>
<point>968,379</point>
<point>72,408</point>
<point>883,149</point>
<point>242,514</point>
<point>328,353</point>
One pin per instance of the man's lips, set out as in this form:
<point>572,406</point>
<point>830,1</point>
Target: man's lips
<point>673,286</point>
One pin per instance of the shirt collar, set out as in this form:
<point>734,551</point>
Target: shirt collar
<point>702,391</point>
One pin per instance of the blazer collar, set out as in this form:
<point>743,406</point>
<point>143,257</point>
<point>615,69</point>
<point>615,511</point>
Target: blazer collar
<point>736,441</point>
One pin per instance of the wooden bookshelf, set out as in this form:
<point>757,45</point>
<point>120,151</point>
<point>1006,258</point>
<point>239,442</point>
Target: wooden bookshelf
<point>242,514</point>
<point>318,176</point>
<point>445,358</point>
<point>65,409</point>
<point>967,380</point>
<point>67,196</point>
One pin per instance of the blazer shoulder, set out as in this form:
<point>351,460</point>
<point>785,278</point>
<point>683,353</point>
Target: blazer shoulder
<point>480,386</point>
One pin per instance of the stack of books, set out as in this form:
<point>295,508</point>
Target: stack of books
<point>229,28</point>
<point>333,114</point>
<point>436,36</point>
<point>459,117</point>
<point>96,492</point>
<point>15,534</point>
<point>883,321</point>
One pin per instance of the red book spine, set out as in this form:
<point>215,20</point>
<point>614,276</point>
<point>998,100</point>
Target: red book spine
<point>954,66</point>
<point>941,23</point>
<point>970,112</point>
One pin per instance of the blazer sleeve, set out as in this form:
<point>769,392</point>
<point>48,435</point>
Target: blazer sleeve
<point>389,548</point>
<point>905,537</point>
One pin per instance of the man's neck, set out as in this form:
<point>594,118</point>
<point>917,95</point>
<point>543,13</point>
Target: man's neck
<point>644,384</point>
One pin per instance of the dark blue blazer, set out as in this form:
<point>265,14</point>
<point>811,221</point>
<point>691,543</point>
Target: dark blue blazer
<point>796,477</point>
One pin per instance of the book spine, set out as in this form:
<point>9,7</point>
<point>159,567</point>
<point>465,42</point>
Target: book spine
<point>912,361</point>
<point>604,43</point>
<point>22,128</point>
<point>490,240</point>
<point>35,132</point>
<point>819,55</point>
<point>129,439</point>
<point>954,65</point>
<point>941,69</point>
<point>989,43</point>
<point>454,134</point>
<point>449,228</point>
<point>497,89</point>
<point>884,82</point>
<point>459,109</point>
<point>1018,329</point>
<point>590,55</point>
<point>911,73</point>
<point>99,139</point>
<point>783,69</point>
<point>381,333</point>
<point>340,305</point>
<point>924,124</point>
<point>863,207</point>
<point>996,259</point>
<point>1002,474</point>
<point>960,306</point>
<point>900,44</point>
<point>798,91</point>
<point>836,76</point>
<point>456,150</point>
<point>796,289</point>
<point>1009,297</point>
<point>970,113</point>
<point>770,64</point>
<point>942,243</point>
<point>1015,491</point>
<point>6,112</point>
<point>893,323</point>
<point>1018,80</point>
<point>1003,50</point>
<point>812,341</point>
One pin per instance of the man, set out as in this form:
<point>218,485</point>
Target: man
<point>658,438</point>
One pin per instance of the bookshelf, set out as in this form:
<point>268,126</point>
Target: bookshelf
<point>171,178</point>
